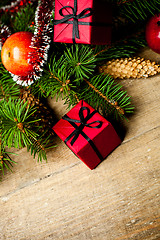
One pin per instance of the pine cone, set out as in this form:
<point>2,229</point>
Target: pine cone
<point>26,95</point>
<point>130,68</point>
<point>43,112</point>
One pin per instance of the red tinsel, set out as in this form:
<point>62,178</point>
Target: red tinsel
<point>42,36</point>
<point>4,34</point>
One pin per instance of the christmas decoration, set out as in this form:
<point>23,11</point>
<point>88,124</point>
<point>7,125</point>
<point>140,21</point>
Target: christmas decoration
<point>4,34</point>
<point>130,68</point>
<point>15,53</point>
<point>153,33</point>
<point>42,37</point>
<point>72,72</point>
<point>14,6</point>
<point>90,136</point>
<point>47,118</point>
<point>91,23</point>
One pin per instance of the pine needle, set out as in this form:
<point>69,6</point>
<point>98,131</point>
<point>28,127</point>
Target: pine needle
<point>109,97</point>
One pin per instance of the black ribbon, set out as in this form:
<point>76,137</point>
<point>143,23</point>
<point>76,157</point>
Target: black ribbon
<point>79,129</point>
<point>85,13</point>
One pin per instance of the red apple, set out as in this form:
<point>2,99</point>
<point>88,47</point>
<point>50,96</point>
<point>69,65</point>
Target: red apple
<point>153,33</point>
<point>15,52</point>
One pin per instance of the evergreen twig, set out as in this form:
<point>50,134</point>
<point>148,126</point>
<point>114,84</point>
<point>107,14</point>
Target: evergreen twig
<point>5,160</point>
<point>24,19</point>
<point>80,61</point>
<point>7,86</point>
<point>17,123</point>
<point>136,10</point>
<point>108,96</point>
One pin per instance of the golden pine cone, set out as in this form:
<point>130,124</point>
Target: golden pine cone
<point>26,95</point>
<point>43,111</point>
<point>130,68</point>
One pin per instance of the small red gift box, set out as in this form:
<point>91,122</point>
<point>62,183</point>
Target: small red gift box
<point>82,21</point>
<point>89,135</point>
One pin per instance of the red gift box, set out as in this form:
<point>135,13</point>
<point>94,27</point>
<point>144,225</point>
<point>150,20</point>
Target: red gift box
<point>83,21</point>
<point>89,135</point>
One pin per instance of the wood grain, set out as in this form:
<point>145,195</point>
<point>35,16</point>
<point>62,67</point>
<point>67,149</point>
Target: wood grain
<point>63,199</point>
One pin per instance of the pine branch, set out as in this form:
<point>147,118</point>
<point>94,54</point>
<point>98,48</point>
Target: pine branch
<point>16,123</point>
<point>19,128</point>
<point>5,160</point>
<point>63,83</point>
<point>39,147</point>
<point>136,10</point>
<point>80,61</point>
<point>24,19</point>
<point>56,82</point>
<point>7,86</point>
<point>102,92</point>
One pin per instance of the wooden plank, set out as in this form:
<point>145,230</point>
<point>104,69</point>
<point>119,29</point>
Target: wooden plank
<point>118,200</point>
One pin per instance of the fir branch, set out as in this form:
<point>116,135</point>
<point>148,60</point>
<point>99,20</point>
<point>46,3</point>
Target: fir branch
<point>7,86</point>
<point>136,10</point>
<point>108,96</point>
<point>56,82</point>
<point>13,6</point>
<point>24,19</point>
<point>17,123</point>
<point>80,61</point>
<point>5,161</point>
<point>19,128</point>
<point>40,146</point>
<point>112,103</point>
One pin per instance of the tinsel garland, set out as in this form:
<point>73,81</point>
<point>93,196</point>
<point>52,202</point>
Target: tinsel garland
<point>4,34</point>
<point>15,6</point>
<point>40,43</point>
<point>42,37</point>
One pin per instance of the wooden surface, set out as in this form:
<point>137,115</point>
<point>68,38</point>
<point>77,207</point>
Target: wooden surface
<point>63,199</point>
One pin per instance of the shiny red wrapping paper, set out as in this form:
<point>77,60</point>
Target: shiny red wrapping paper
<point>98,24</point>
<point>89,135</point>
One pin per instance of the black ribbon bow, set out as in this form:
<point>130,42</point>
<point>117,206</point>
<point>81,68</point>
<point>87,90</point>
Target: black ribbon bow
<point>85,13</point>
<point>79,129</point>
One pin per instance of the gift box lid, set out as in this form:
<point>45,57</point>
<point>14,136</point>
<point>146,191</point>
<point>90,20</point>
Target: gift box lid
<point>64,128</point>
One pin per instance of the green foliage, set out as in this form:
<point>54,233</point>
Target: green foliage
<point>40,146</point>
<point>56,81</point>
<point>121,49</point>
<point>23,20</point>
<point>80,61</point>
<point>104,94</point>
<point>139,10</point>
<point>7,86</point>
<point>6,162</point>
<point>19,129</point>
<point>16,123</point>
<point>99,90</point>
<point>5,19</point>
